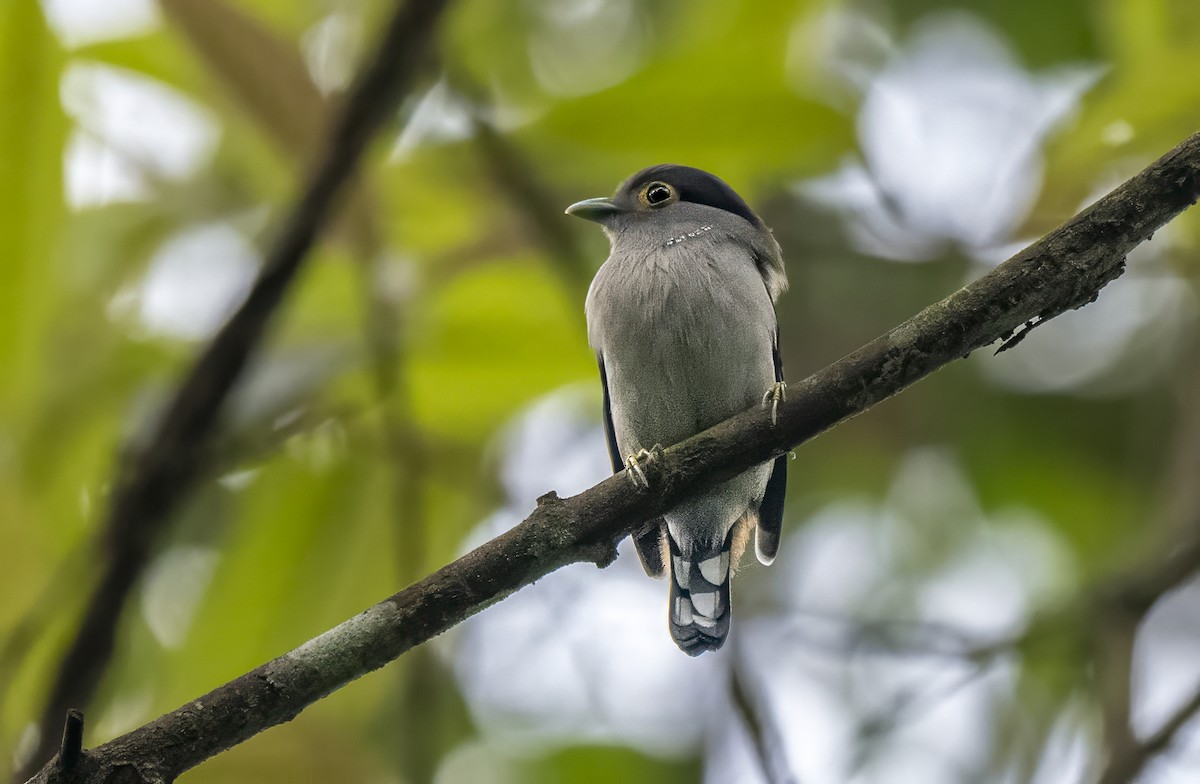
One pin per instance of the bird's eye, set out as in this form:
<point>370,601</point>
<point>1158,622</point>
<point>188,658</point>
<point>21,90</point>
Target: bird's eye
<point>658,193</point>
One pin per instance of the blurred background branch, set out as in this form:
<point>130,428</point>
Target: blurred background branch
<point>1130,759</point>
<point>159,472</point>
<point>945,607</point>
<point>764,733</point>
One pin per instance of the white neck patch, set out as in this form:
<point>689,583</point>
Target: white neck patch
<point>680,238</point>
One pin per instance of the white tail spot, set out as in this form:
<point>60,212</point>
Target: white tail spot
<point>715,568</point>
<point>706,603</point>
<point>764,559</point>
<point>683,572</point>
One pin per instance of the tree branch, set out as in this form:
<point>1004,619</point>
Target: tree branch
<point>1128,765</point>
<point>157,478</point>
<point>1065,269</point>
<point>764,737</point>
<point>1127,603</point>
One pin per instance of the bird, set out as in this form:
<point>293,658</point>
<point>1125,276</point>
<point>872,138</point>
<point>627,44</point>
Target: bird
<point>681,316</point>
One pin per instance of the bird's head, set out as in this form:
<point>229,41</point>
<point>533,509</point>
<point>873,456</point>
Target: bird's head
<point>665,194</point>
<point>670,204</point>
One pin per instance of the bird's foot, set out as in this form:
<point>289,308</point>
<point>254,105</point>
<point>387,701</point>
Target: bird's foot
<point>634,463</point>
<point>776,394</point>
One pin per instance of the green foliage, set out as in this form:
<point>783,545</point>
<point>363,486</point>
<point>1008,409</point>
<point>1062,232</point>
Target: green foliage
<point>342,476</point>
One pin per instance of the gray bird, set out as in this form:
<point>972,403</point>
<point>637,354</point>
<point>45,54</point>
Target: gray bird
<point>682,320</point>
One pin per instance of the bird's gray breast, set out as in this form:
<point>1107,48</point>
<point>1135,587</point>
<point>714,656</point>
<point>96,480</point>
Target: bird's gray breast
<point>685,326</point>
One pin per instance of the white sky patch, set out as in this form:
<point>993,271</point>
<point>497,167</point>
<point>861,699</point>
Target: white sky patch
<point>866,633</point>
<point>730,757</point>
<point>27,744</point>
<point>978,594</point>
<point>96,174</point>
<point>331,48</point>
<point>1180,763</point>
<point>561,428</point>
<point>132,129</point>
<point>174,585</point>
<point>583,46</point>
<point>1166,672</point>
<point>1077,350</point>
<point>321,447</point>
<point>236,481</point>
<point>835,561</point>
<point>1001,575</point>
<point>479,762</point>
<point>950,131</point>
<point>952,720</point>
<point>835,51</point>
<point>195,281</point>
<point>1128,338</point>
<point>797,688</point>
<point>1166,662</point>
<point>81,22</point>
<point>123,713</point>
<point>1118,132</point>
<point>582,654</point>
<point>1068,755</point>
<point>441,115</point>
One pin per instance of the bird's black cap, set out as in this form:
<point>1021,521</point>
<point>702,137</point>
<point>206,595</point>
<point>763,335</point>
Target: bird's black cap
<point>693,185</point>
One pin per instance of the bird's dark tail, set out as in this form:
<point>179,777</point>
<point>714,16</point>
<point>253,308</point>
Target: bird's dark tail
<point>699,609</point>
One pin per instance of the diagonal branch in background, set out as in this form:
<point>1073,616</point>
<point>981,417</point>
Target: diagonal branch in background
<point>531,198</point>
<point>156,479</point>
<point>1065,269</point>
<point>759,725</point>
<point>1127,766</point>
<point>1130,600</point>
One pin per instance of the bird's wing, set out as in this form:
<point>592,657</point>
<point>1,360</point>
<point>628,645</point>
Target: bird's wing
<point>610,435</point>
<point>770,511</point>
<point>651,538</point>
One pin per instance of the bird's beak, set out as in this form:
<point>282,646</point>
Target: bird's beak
<point>598,210</point>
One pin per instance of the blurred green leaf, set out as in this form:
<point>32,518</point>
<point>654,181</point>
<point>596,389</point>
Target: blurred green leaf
<point>309,513</point>
<point>485,348</point>
<point>33,131</point>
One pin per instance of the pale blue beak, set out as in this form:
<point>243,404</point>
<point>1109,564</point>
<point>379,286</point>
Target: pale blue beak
<point>598,210</point>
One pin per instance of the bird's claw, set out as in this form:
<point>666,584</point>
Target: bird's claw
<point>633,465</point>
<point>774,395</point>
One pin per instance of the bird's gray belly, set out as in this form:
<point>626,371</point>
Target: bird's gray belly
<point>683,353</point>
<point>686,340</point>
<point>684,348</point>
<point>686,380</point>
